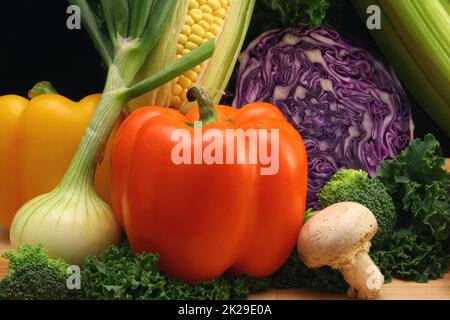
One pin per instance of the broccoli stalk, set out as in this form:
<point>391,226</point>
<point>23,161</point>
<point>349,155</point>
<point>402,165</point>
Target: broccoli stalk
<point>34,276</point>
<point>356,186</point>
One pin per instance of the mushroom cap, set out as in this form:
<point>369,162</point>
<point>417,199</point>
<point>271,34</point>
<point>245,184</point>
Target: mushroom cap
<point>336,234</point>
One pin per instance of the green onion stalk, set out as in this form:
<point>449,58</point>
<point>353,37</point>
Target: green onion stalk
<point>71,221</point>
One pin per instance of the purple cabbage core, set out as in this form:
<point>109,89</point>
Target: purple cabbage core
<point>349,109</point>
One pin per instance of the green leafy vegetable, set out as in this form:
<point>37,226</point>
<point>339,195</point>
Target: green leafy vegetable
<point>409,257</point>
<point>355,185</point>
<point>120,274</point>
<point>273,14</point>
<point>34,276</point>
<point>419,249</point>
<point>294,274</point>
<point>294,12</point>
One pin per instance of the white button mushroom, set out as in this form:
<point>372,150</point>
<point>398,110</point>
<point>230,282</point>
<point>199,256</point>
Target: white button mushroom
<point>339,236</point>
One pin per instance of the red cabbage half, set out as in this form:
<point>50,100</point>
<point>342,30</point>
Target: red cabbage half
<point>350,110</point>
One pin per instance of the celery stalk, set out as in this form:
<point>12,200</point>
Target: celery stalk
<point>424,28</point>
<point>414,38</point>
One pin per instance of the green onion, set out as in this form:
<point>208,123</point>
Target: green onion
<point>72,222</point>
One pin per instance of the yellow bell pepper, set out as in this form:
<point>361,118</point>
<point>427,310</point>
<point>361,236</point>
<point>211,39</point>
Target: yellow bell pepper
<point>38,139</point>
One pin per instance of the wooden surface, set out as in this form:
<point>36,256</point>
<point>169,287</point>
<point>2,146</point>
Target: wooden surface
<point>397,290</point>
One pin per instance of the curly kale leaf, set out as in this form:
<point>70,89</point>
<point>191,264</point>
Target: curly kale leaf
<point>295,274</point>
<point>421,189</point>
<point>421,162</point>
<point>120,274</point>
<point>409,257</point>
<point>294,12</point>
<point>419,249</point>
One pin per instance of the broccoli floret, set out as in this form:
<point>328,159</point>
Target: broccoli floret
<point>355,185</point>
<point>34,276</point>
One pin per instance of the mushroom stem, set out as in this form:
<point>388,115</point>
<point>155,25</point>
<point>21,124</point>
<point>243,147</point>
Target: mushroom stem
<point>363,276</point>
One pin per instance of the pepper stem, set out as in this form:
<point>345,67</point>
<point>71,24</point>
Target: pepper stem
<point>208,113</point>
<point>43,87</point>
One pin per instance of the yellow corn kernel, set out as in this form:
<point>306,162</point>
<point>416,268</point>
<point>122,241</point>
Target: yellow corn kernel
<point>190,46</point>
<point>189,21</point>
<point>182,39</point>
<point>217,20</point>
<point>198,68</point>
<point>214,28</point>
<point>175,100</point>
<point>185,52</point>
<point>196,14</point>
<point>208,17</point>
<point>186,30</point>
<point>196,39</point>
<point>178,57</point>
<point>221,13</point>
<point>180,48</point>
<point>210,36</point>
<point>192,75</point>
<point>204,25</point>
<point>198,30</point>
<point>201,2</point>
<point>206,9</point>
<point>225,3</point>
<point>214,4</point>
<point>193,4</point>
<point>177,89</point>
<point>185,82</point>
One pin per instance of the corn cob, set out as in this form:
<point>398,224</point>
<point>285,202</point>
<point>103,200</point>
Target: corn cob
<point>226,21</point>
<point>203,22</point>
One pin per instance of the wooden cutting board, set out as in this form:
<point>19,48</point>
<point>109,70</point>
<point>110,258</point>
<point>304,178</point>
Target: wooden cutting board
<point>397,290</point>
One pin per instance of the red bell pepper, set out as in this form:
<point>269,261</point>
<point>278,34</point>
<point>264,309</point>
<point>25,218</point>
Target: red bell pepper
<point>206,219</point>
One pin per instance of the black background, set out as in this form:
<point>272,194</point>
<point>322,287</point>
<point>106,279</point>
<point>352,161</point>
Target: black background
<point>36,45</point>
<point>170,309</point>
